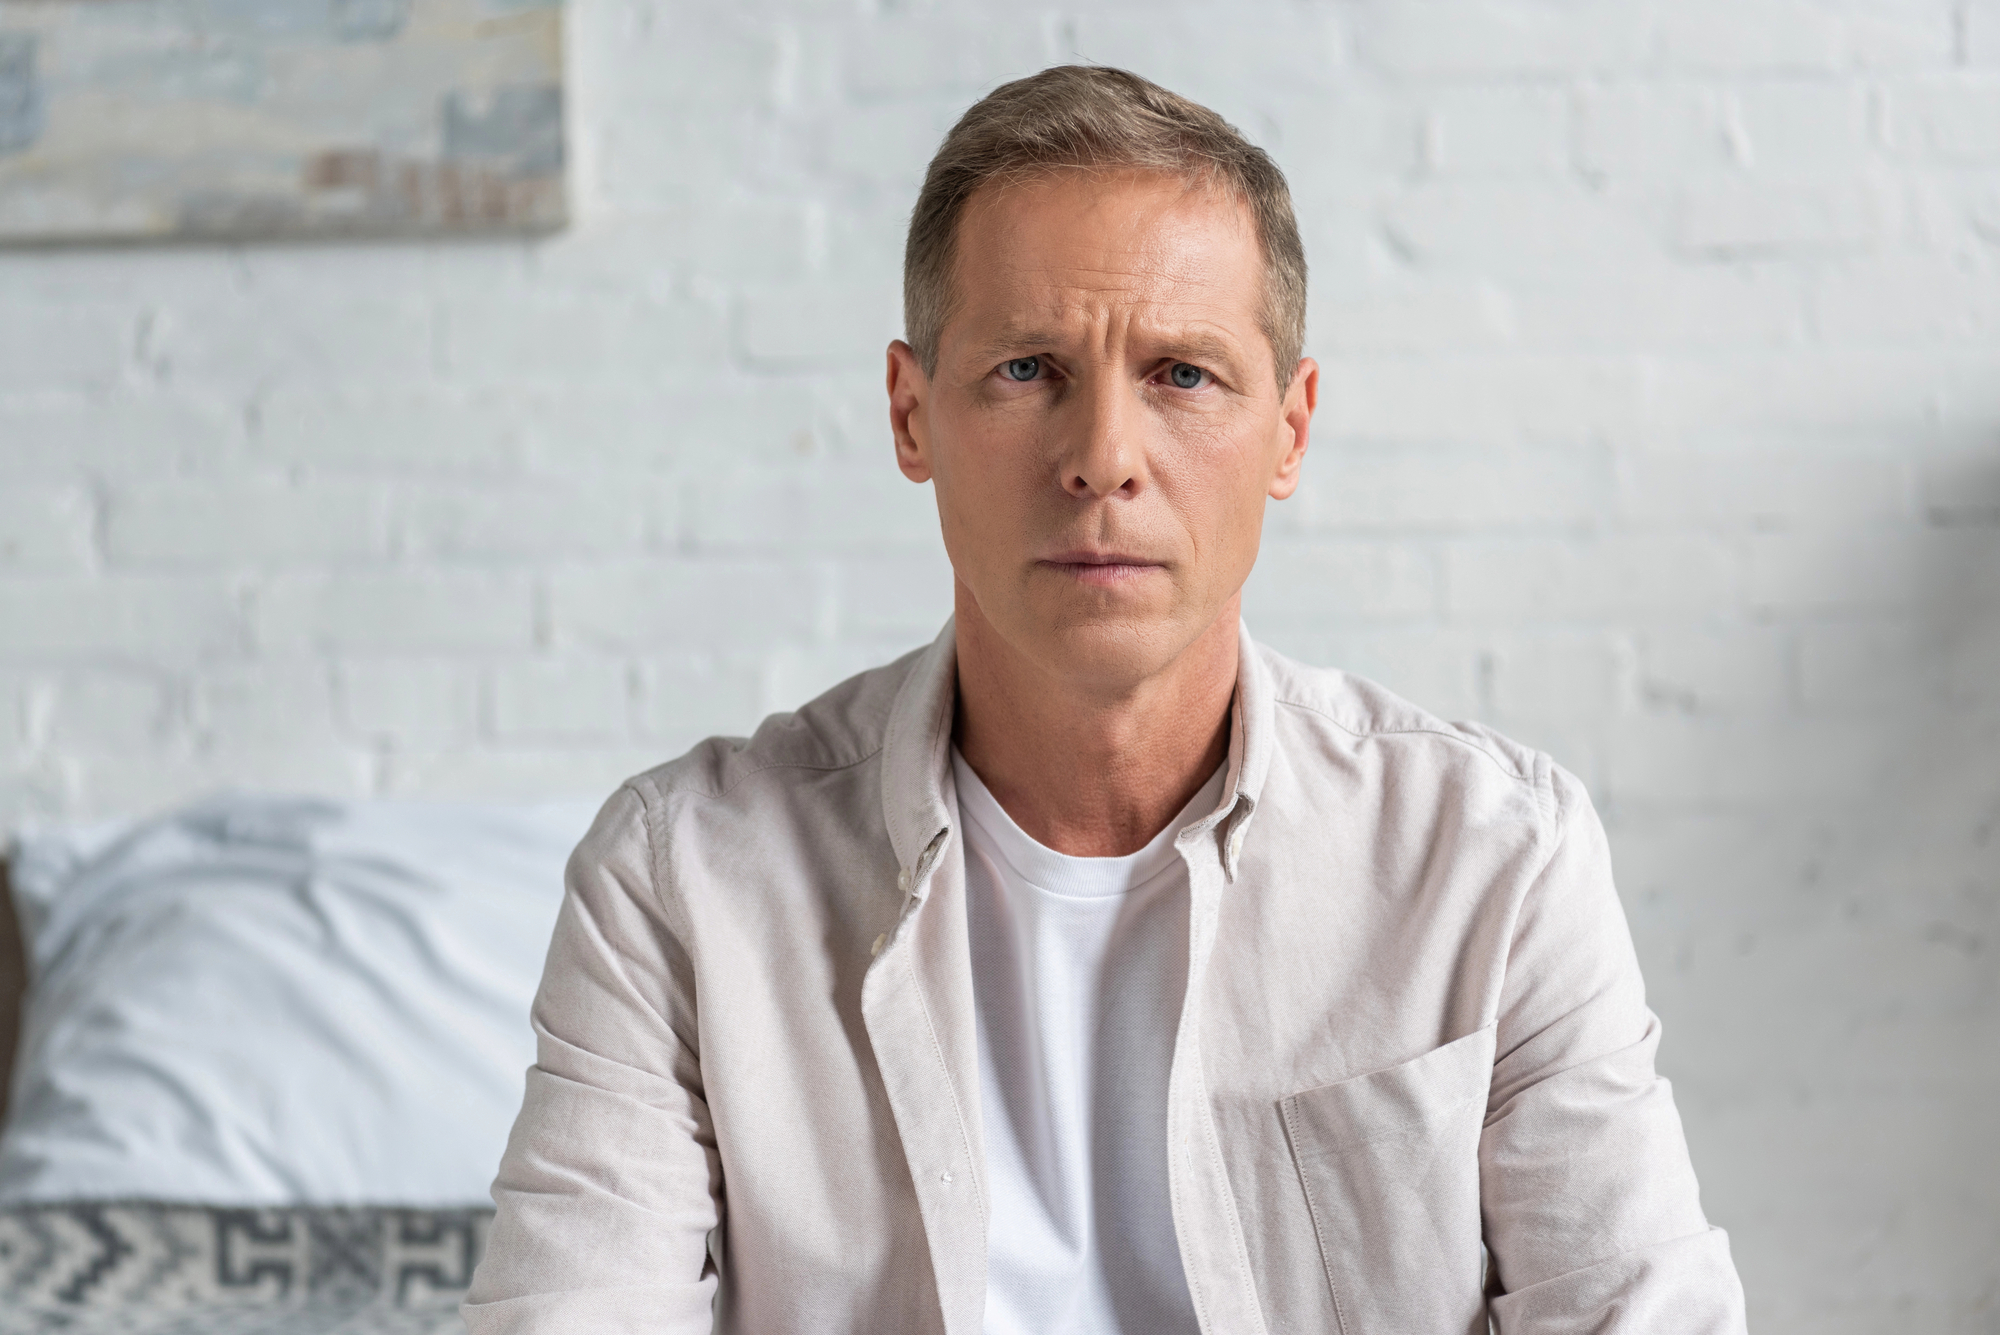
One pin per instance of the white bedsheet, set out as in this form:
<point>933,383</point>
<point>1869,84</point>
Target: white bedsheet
<point>280,1001</point>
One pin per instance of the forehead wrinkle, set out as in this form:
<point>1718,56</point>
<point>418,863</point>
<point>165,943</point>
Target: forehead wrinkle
<point>1123,297</point>
<point>1138,254</point>
<point>1127,283</point>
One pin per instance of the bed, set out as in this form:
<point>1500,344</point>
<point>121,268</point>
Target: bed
<point>258,1058</point>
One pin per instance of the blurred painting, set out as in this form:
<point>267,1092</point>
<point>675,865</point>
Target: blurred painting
<point>274,119</point>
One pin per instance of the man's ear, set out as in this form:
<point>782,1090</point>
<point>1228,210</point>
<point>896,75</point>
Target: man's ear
<point>1301,398</point>
<point>909,398</point>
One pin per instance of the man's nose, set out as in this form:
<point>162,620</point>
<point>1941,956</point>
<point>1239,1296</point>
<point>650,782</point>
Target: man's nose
<point>1104,455</point>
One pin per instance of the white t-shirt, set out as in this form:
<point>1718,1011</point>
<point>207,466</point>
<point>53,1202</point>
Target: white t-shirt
<point>1079,969</point>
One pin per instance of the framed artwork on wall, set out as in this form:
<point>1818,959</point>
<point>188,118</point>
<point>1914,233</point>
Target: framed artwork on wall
<point>127,120</point>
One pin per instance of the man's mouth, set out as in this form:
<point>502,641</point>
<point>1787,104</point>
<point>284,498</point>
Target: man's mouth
<point>1100,568</point>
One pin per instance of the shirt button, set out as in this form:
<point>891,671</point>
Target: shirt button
<point>880,941</point>
<point>945,1177</point>
<point>903,880</point>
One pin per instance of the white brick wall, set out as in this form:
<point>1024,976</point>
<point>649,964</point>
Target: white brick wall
<point>1661,428</point>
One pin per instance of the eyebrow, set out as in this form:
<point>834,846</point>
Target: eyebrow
<point>1012,337</point>
<point>1200,348</point>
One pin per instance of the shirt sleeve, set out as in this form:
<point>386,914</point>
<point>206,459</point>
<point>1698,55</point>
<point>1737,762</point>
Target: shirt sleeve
<point>1589,1201</point>
<point>611,1182</point>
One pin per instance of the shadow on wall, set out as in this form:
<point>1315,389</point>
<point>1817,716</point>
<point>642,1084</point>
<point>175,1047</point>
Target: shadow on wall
<point>1861,989</point>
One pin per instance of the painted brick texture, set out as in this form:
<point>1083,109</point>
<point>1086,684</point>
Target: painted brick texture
<point>1661,429</point>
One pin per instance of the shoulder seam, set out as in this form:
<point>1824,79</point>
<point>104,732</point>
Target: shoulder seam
<point>656,865</point>
<point>684,787</point>
<point>800,764</point>
<point>1548,808</point>
<point>1445,733</point>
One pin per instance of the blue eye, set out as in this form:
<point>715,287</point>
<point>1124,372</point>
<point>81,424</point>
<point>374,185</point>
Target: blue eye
<point>1186,376</point>
<point>1023,368</point>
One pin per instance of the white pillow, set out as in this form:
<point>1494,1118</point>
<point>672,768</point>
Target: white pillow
<point>280,1001</point>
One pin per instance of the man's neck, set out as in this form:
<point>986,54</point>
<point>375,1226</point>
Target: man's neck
<point>1092,773</point>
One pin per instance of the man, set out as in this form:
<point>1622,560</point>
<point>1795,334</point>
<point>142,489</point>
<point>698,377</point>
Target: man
<point>1094,969</point>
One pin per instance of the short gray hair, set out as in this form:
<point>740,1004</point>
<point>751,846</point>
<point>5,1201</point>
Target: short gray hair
<point>1092,117</point>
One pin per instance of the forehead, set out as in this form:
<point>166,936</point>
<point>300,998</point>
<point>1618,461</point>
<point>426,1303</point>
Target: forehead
<point>1079,246</point>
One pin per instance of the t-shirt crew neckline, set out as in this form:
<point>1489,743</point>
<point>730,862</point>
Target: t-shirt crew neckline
<point>1062,874</point>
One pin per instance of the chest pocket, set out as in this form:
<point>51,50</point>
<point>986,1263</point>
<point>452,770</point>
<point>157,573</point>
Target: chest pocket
<point>1390,1166</point>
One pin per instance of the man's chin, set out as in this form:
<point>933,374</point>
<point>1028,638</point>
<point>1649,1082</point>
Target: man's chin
<point>1105,647</point>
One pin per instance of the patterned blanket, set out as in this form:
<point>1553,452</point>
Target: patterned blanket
<point>151,1269</point>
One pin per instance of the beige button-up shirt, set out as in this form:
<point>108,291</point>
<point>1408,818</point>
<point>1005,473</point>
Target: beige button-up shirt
<point>1414,1035</point>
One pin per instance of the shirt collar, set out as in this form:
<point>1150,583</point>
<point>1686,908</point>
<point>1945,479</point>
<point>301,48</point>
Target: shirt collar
<point>918,797</point>
<point>916,760</point>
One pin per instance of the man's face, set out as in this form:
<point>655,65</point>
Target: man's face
<point>1104,422</point>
